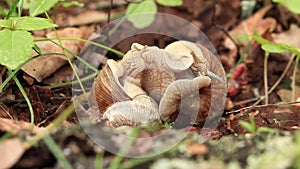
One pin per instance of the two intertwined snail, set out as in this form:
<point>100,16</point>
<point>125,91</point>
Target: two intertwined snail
<point>150,84</point>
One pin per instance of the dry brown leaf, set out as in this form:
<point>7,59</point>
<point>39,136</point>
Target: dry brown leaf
<point>11,151</point>
<point>246,27</point>
<point>44,66</point>
<point>290,37</point>
<point>286,95</point>
<point>65,74</point>
<point>17,126</point>
<point>86,18</point>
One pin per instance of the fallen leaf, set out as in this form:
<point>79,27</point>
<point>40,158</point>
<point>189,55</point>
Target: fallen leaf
<point>64,74</point>
<point>286,95</point>
<point>290,37</point>
<point>17,126</point>
<point>86,18</point>
<point>256,22</point>
<point>11,151</point>
<point>41,67</point>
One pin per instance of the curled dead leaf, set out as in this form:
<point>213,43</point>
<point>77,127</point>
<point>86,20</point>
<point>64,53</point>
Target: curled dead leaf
<point>11,151</point>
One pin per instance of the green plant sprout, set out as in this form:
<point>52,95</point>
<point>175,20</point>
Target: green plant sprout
<point>251,126</point>
<point>270,47</point>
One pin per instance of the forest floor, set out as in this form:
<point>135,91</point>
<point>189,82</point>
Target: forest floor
<point>256,130</point>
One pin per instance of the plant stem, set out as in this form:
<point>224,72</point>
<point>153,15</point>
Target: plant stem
<point>85,41</point>
<point>99,160</point>
<point>11,75</point>
<point>12,8</point>
<point>73,82</point>
<point>57,152</point>
<point>77,57</point>
<point>287,67</point>
<point>294,78</point>
<point>266,77</point>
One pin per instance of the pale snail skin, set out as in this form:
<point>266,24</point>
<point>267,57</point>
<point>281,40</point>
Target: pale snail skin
<point>143,86</point>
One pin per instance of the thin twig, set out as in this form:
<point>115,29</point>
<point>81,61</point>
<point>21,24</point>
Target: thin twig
<point>260,106</point>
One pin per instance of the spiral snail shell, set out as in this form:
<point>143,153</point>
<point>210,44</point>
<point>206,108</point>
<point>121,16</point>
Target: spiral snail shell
<point>149,83</point>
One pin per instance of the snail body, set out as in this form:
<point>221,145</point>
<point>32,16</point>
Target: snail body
<point>149,83</point>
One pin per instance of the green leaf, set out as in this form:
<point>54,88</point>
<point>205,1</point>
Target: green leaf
<point>244,38</point>
<point>25,3</point>
<point>27,23</point>
<point>12,9</point>
<point>141,14</point>
<point>5,23</point>
<point>71,3</point>
<point>247,126</point>
<point>273,48</point>
<point>292,5</point>
<point>250,127</point>
<point>291,49</point>
<point>33,23</point>
<point>15,47</point>
<point>170,2</point>
<point>260,39</point>
<point>40,6</point>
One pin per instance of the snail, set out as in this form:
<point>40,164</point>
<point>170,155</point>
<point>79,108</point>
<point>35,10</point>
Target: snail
<point>149,83</point>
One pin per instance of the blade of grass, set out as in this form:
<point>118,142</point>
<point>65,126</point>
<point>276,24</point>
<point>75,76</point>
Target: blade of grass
<point>76,56</point>
<point>5,136</point>
<point>73,82</point>
<point>85,41</point>
<point>99,160</point>
<point>12,8</point>
<point>65,54</point>
<point>117,160</point>
<point>57,153</point>
<point>25,97</point>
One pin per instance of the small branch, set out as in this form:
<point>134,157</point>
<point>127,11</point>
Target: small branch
<point>260,106</point>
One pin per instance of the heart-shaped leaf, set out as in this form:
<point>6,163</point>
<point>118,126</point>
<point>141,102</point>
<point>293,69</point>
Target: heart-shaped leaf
<point>141,14</point>
<point>15,47</point>
<point>27,23</point>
